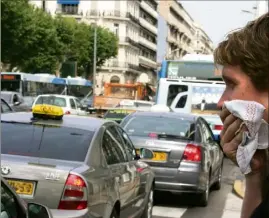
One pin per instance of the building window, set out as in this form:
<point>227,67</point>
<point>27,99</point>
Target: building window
<point>69,9</point>
<point>116,29</point>
<point>115,79</point>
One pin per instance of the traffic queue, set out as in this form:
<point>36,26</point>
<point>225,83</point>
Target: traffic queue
<point>66,165</point>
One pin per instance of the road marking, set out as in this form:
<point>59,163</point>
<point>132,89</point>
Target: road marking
<point>170,212</point>
<point>232,206</point>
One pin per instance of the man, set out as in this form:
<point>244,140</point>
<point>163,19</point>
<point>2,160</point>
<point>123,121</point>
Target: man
<point>244,56</point>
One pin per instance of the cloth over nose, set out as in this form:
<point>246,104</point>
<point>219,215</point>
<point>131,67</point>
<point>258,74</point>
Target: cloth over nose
<point>251,113</point>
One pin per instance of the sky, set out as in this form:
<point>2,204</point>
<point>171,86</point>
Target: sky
<point>217,18</point>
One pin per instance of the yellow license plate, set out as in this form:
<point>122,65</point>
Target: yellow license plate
<point>157,156</point>
<point>22,187</point>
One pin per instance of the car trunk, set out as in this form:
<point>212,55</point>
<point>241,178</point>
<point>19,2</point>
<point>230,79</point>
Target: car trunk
<point>36,179</point>
<point>167,153</point>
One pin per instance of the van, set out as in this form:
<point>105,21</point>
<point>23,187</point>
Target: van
<point>193,96</point>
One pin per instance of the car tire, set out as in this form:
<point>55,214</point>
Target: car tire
<point>114,214</point>
<point>217,185</point>
<point>204,196</point>
<point>147,213</point>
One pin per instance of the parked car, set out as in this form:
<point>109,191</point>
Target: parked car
<point>69,104</point>
<point>15,100</point>
<point>186,157</point>
<point>12,206</point>
<point>77,165</point>
<point>87,104</point>
<point>5,108</point>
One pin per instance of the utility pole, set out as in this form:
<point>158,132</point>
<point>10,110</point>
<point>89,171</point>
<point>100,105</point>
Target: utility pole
<point>94,58</point>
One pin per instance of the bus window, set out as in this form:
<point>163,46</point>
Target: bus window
<point>173,90</point>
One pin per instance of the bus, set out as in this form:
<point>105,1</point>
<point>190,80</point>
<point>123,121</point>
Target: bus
<point>79,87</point>
<point>32,85</point>
<point>191,66</point>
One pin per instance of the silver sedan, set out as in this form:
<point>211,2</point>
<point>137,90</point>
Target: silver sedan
<point>79,167</point>
<point>186,157</point>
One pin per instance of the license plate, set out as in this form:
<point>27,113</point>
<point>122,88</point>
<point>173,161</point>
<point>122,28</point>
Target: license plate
<point>22,187</point>
<point>157,156</point>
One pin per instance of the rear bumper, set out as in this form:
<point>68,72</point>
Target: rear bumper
<point>74,214</point>
<point>185,179</point>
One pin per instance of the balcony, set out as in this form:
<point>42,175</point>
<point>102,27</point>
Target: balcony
<point>148,25</point>
<point>106,14</point>
<point>132,17</point>
<point>144,61</point>
<point>147,43</point>
<point>71,12</point>
<point>115,63</point>
<point>127,40</point>
<point>149,9</point>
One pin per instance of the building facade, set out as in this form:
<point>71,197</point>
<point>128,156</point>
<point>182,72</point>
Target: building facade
<point>135,24</point>
<point>181,31</point>
<point>202,44</point>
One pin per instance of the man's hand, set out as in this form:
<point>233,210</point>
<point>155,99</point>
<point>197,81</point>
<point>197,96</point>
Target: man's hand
<point>231,137</point>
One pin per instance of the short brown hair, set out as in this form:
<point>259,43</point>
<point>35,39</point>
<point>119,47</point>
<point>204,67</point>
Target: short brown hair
<point>249,49</point>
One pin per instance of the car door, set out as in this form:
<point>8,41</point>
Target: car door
<point>79,106</point>
<point>211,144</point>
<point>73,107</point>
<point>119,179</point>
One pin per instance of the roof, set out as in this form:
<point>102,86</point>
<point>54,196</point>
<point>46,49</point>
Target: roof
<point>79,122</point>
<point>173,115</point>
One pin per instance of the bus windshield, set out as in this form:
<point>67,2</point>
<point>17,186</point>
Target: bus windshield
<point>10,82</point>
<point>192,70</point>
<point>79,91</point>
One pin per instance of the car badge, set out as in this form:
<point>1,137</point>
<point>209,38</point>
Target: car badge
<point>5,170</point>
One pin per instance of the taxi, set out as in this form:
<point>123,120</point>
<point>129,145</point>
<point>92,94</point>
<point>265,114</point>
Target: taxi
<point>79,167</point>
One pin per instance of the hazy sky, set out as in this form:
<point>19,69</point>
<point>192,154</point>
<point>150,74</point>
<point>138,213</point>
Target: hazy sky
<point>219,17</point>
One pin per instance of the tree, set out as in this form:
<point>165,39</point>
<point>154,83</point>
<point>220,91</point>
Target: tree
<point>107,47</point>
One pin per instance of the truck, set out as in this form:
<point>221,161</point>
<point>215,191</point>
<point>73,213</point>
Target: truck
<point>114,93</point>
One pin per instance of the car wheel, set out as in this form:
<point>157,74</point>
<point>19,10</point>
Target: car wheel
<point>147,213</point>
<point>203,200</point>
<point>217,185</point>
<point>114,214</point>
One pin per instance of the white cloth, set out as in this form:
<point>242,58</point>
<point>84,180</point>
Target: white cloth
<point>251,113</point>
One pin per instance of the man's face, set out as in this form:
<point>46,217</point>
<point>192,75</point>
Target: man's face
<point>240,87</point>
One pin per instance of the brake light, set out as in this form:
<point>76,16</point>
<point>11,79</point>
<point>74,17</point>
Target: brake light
<point>152,135</point>
<point>218,127</point>
<point>67,112</point>
<point>75,194</point>
<point>192,153</point>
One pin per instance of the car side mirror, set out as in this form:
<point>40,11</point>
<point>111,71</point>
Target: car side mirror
<point>37,211</point>
<point>17,103</point>
<point>217,138</point>
<point>145,153</point>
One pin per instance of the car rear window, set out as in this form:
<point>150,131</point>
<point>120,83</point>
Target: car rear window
<point>116,114</point>
<point>62,143</point>
<point>52,100</point>
<point>143,126</point>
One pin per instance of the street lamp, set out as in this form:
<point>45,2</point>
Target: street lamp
<point>94,58</point>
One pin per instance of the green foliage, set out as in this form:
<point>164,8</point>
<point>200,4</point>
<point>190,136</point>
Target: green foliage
<point>35,42</point>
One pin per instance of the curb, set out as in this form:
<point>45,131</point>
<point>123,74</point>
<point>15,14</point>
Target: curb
<point>239,187</point>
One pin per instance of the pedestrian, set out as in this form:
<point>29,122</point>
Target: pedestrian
<point>244,56</point>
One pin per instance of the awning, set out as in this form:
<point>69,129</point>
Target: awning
<point>68,2</point>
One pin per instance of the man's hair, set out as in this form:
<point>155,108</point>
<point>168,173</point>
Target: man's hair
<point>249,49</point>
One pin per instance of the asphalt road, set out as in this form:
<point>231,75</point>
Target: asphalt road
<point>222,204</point>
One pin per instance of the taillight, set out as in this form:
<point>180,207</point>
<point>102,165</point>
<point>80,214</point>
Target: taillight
<point>75,194</point>
<point>67,112</point>
<point>218,127</point>
<point>192,153</point>
<point>152,135</point>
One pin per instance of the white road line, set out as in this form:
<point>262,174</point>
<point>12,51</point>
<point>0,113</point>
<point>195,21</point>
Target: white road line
<point>232,206</point>
<point>170,212</point>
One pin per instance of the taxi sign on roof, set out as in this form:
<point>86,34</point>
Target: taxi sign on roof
<point>48,111</point>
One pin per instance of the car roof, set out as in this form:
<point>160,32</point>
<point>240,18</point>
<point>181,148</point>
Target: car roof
<point>62,96</point>
<point>9,92</point>
<point>73,121</point>
<point>190,117</point>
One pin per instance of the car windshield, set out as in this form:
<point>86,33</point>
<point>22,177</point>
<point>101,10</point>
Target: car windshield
<point>144,126</point>
<point>6,97</point>
<point>52,100</point>
<point>54,142</point>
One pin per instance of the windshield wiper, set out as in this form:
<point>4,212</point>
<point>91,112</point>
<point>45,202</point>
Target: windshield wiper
<point>18,122</point>
<point>170,136</point>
